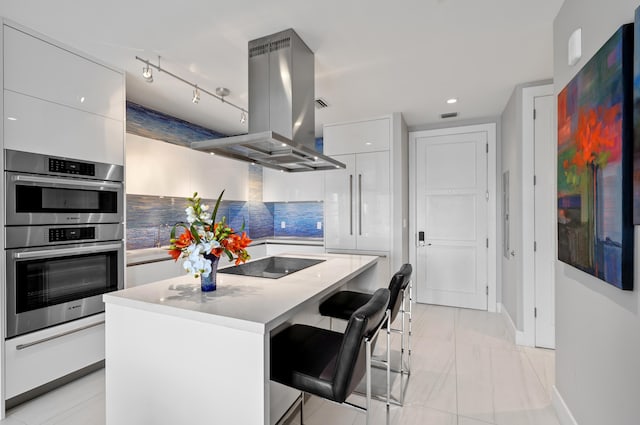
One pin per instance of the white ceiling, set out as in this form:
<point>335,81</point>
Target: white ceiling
<point>372,57</point>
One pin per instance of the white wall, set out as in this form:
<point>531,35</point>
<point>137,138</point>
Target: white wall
<point>511,161</point>
<point>597,325</point>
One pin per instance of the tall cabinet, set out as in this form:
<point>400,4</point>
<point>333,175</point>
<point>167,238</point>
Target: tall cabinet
<point>366,204</point>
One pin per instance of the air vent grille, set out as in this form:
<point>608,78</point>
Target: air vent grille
<point>280,44</point>
<point>321,103</point>
<point>259,50</point>
<point>449,115</point>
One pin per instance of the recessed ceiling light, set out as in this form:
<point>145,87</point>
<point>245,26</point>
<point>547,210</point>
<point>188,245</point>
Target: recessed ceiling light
<point>12,118</point>
<point>212,153</point>
<point>368,143</point>
<point>82,99</point>
<point>452,101</point>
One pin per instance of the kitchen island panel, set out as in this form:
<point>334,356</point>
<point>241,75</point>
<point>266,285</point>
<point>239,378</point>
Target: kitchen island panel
<point>165,370</point>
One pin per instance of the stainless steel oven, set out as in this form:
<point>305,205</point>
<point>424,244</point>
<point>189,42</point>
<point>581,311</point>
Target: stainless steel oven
<point>43,189</point>
<point>64,238</point>
<point>49,285</point>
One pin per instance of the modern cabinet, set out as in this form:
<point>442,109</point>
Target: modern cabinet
<point>157,168</point>
<point>292,187</point>
<point>357,203</point>
<point>366,204</point>
<point>73,107</point>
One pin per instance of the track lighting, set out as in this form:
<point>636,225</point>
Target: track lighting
<point>196,95</point>
<point>219,94</point>
<point>147,74</point>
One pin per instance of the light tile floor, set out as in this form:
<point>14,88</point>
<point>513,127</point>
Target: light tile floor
<point>465,370</point>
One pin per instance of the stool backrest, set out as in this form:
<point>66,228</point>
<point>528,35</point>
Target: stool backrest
<point>399,282</point>
<point>351,361</point>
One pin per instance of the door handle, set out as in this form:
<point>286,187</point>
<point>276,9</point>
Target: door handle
<point>360,204</point>
<point>351,204</point>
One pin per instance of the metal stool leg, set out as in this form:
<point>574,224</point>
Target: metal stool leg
<point>302,409</point>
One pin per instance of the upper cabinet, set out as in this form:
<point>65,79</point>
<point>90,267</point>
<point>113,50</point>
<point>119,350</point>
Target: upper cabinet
<point>39,69</point>
<point>158,168</point>
<point>280,186</point>
<point>357,137</point>
<point>60,102</point>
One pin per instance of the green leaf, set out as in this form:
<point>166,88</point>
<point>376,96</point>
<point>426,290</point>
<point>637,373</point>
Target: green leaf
<point>229,254</point>
<point>194,233</point>
<point>215,210</point>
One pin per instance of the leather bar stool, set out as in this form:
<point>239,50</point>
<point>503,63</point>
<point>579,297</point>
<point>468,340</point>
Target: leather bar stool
<point>330,364</point>
<point>343,303</point>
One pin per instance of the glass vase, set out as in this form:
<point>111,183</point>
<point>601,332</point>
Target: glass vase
<point>208,283</point>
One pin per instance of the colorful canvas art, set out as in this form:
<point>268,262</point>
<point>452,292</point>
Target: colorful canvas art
<point>636,120</point>
<point>595,131</point>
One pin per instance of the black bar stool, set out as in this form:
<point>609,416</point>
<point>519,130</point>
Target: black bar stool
<point>342,304</point>
<point>330,364</point>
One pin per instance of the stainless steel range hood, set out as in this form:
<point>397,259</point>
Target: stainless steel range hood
<point>281,109</point>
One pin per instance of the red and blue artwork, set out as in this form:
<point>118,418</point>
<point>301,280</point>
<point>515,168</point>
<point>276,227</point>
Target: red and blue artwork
<point>636,120</point>
<point>595,147</point>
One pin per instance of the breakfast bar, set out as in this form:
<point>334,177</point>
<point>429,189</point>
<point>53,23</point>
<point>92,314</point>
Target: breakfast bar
<point>175,354</point>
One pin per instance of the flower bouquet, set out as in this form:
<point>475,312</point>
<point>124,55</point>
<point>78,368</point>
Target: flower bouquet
<point>204,240</point>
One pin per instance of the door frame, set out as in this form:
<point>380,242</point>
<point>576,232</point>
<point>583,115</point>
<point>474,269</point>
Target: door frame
<point>528,335</point>
<point>490,130</point>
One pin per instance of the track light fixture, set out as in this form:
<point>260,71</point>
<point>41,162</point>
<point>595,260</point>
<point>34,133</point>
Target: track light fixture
<point>147,74</point>
<point>196,95</point>
<point>220,94</point>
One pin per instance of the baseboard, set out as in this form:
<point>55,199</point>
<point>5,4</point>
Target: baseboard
<point>562,410</point>
<point>518,336</point>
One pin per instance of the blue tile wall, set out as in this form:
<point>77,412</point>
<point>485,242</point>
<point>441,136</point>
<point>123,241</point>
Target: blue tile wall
<point>300,218</point>
<point>146,122</point>
<point>149,218</point>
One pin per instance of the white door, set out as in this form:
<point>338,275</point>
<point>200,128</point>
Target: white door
<point>451,210</point>
<point>372,201</point>
<point>340,205</point>
<point>545,219</point>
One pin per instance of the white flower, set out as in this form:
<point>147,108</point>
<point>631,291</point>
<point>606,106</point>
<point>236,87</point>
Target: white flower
<point>191,215</point>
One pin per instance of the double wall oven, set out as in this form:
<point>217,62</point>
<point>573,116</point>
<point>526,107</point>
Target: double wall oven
<point>64,238</point>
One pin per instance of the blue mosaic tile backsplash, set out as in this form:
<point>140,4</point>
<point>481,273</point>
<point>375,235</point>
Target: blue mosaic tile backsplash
<point>149,218</point>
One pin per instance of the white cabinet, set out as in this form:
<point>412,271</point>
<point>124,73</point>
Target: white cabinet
<point>279,186</point>
<point>163,169</point>
<point>276,248</point>
<point>355,137</point>
<point>156,168</point>
<point>37,68</point>
<point>366,204</point>
<point>357,203</point>
<point>58,102</point>
<point>141,274</point>
<point>43,356</point>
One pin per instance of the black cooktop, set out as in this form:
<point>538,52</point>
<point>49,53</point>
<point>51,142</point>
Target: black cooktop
<point>271,267</point>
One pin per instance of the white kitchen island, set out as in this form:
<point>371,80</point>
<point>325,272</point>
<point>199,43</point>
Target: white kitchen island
<point>177,355</point>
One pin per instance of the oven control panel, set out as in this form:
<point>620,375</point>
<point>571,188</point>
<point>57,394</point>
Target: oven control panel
<point>71,167</point>
<point>71,234</point>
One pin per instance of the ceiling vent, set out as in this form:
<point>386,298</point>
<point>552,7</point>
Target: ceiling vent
<point>449,115</point>
<point>321,103</point>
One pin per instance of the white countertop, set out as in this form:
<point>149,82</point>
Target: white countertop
<point>242,302</point>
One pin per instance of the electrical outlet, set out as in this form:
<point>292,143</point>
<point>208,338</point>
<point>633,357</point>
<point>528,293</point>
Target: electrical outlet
<point>283,225</point>
<point>319,225</point>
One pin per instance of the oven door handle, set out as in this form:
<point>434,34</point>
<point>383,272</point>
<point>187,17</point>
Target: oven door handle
<point>66,182</point>
<point>65,251</point>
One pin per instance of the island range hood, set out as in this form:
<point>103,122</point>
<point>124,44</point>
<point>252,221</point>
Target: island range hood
<point>281,109</point>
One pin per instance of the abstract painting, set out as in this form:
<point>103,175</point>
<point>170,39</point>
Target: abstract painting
<point>636,120</point>
<point>595,142</point>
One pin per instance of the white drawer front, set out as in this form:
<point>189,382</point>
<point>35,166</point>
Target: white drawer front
<point>363,136</point>
<point>40,69</point>
<point>29,366</point>
<point>34,125</point>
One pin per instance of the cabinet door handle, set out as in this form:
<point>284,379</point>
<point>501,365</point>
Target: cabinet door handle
<point>360,204</point>
<point>60,335</point>
<point>351,204</point>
